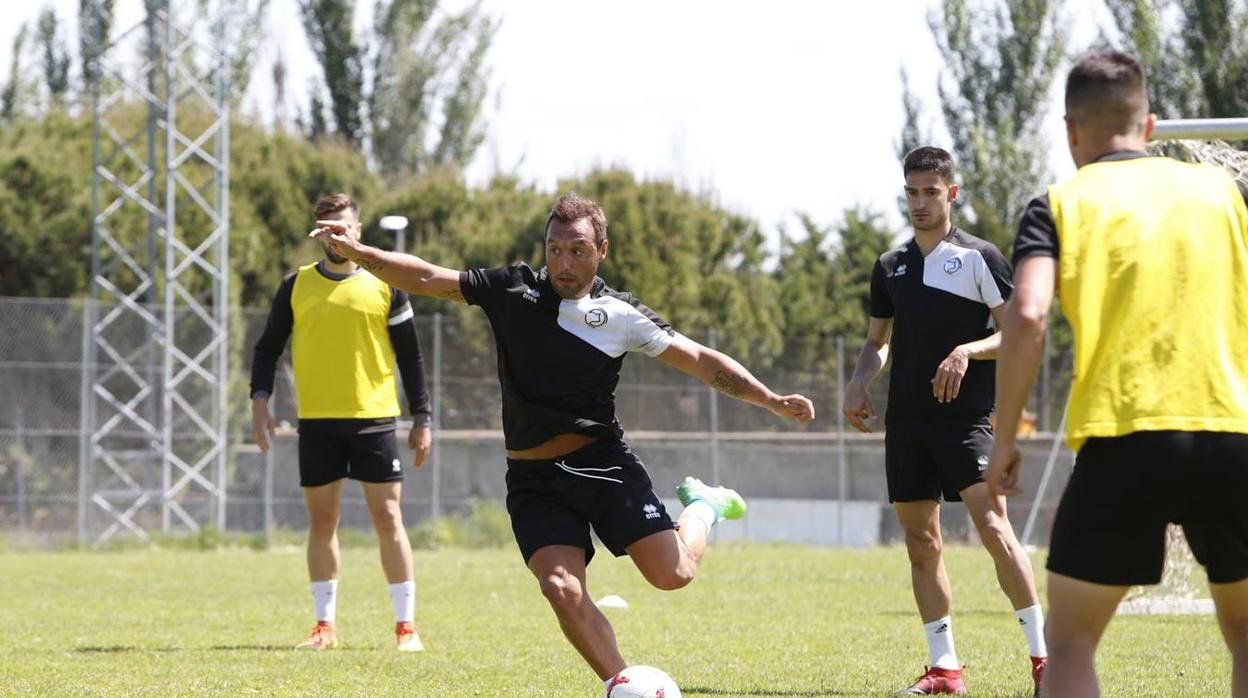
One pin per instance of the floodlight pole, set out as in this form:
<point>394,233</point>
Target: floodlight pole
<point>397,225</point>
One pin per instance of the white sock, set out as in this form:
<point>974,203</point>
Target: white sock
<point>1031,619</point>
<point>403,596</point>
<point>700,510</point>
<point>940,644</point>
<point>325,598</point>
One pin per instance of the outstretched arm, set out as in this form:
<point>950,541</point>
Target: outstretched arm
<point>402,271</point>
<point>724,374</point>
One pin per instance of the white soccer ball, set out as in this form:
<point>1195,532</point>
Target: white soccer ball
<point>642,682</point>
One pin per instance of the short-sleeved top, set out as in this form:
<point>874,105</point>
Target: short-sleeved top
<point>1152,258</point>
<point>559,360</point>
<point>937,303</point>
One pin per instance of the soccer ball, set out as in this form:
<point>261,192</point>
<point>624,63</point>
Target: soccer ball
<point>642,682</point>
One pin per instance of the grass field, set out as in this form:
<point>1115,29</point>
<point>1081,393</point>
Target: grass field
<point>760,621</point>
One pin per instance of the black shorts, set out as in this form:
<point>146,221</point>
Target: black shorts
<point>1110,527</point>
<point>927,456</point>
<point>326,457</point>
<point>603,485</point>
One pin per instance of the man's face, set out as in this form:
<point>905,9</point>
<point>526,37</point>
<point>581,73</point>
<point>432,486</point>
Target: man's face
<point>572,258</point>
<point>346,215</point>
<point>928,199</point>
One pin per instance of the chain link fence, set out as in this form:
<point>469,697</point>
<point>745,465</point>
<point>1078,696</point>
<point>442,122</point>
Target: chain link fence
<point>810,482</point>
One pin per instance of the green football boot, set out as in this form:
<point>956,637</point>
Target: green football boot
<point>726,502</point>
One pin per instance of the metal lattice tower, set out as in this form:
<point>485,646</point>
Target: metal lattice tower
<point>153,433</point>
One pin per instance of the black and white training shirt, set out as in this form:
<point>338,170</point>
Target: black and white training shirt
<point>938,303</point>
<point>559,360</point>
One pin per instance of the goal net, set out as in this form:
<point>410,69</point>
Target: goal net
<point>1208,141</point>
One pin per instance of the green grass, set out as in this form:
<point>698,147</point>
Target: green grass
<point>760,621</point>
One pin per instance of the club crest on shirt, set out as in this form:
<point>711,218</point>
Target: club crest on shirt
<point>953,265</point>
<point>596,317</point>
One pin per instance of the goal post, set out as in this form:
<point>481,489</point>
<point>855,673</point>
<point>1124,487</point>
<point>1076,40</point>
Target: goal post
<point>1207,141</point>
<point>1201,129</point>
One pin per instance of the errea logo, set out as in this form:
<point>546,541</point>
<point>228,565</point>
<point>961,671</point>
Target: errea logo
<point>652,512</point>
<point>596,317</point>
<point>531,295</point>
<point>900,270</point>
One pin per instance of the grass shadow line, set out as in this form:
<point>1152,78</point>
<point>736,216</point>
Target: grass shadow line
<point>797,693</point>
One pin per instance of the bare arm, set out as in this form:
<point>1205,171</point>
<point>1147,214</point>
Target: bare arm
<point>949,374</point>
<point>402,271</point>
<point>874,352</point>
<point>1022,347</point>
<point>724,374</point>
<point>987,348</point>
<point>856,406</point>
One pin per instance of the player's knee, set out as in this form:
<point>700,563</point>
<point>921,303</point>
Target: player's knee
<point>388,520</point>
<point>923,547</point>
<point>995,532</point>
<point>563,591</point>
<point>322,524</point>
<point>671,579</point>
<point>1235,632</point>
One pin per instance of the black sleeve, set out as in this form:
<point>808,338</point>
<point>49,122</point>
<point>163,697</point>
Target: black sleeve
<point>881,301</point>
<point>484,286</point>
<point>406,343</point>
<point>272,342</point>
<point>1037,233</point>
<point>1000,270</point>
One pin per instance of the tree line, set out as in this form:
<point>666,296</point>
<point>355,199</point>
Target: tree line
<point>396,112</point>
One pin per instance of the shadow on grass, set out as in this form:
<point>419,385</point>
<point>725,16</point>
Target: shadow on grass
<point>259,648</point>
<point>704,691</point>
<point>122,649</point>
<point>1003,612</point>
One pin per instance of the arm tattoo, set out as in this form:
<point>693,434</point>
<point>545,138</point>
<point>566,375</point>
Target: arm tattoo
<point>729,384</point>
<point>370,265</point>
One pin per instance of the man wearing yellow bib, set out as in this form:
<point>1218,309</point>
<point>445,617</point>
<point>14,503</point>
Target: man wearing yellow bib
<point>347,329</point>
<point>1150,258</point>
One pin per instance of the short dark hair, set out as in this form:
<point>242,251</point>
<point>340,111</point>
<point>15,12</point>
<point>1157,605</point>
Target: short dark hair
<point>333,203</point>
<point>929,158</point>
<point>571,208</point>
<point>1107,89</point>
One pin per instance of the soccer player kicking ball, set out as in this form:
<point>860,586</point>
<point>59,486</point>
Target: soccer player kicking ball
<point>1150,257</point>
<point>562,334</point>
<point>933,302</point>
<point>348,329</point>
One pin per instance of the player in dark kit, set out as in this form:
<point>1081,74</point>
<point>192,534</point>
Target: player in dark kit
<point>934,301</point>
<point>1150,258</point>
<point>562,334</point>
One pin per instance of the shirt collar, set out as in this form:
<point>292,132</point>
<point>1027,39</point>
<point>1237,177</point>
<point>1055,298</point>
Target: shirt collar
<point>1116,155</point>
